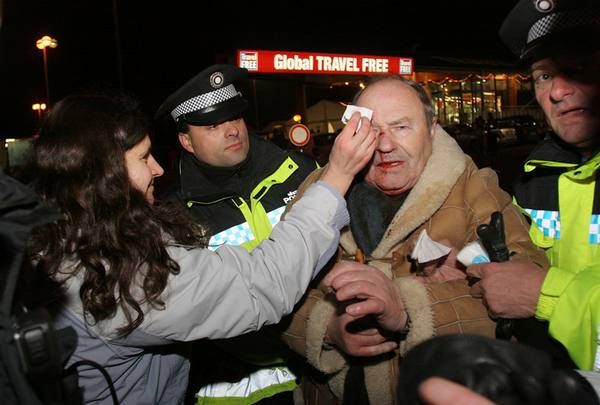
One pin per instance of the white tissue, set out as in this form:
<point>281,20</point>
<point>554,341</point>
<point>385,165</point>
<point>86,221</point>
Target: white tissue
<point>427,250</point>
<point>351,109</point>
<point>473,253</point>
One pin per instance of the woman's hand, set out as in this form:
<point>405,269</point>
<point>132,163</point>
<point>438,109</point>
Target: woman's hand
<point>351,151</point>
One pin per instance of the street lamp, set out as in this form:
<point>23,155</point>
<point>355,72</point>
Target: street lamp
<point>40,108</point>
<point>43,43</point>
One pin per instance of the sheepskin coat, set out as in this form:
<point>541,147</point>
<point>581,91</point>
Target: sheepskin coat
<point>450,200</point>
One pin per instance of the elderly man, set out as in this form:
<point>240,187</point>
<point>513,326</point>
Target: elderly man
<point>419,179</point>
<point>558,190</point>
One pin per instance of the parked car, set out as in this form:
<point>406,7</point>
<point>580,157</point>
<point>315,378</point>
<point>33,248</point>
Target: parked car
<point>505,135</point>
<point>464,134</point>
<point>518,128</point>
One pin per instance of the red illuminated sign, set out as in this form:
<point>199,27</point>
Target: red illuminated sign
<point>322,63</point>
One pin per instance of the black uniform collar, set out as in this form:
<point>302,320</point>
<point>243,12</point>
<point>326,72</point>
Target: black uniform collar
<point>204,182</point>
<point>552,149</point>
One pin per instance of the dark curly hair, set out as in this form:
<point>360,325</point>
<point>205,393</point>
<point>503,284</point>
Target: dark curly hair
<point>109,230</point>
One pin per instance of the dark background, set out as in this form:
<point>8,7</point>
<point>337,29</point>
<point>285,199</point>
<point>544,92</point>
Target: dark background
<point>151,48</point>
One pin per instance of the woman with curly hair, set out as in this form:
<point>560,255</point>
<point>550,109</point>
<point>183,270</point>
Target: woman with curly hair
<point>135,276</point>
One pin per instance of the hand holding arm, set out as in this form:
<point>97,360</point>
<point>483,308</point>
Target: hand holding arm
<point>509,289</point>
<point>357,336</point>
<point>375,293</point>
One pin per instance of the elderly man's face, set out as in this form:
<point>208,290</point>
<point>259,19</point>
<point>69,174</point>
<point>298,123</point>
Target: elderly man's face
<point>404,140</point>
<point>567,87</point>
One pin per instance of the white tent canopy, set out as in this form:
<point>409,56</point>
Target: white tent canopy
<point>324,117</point>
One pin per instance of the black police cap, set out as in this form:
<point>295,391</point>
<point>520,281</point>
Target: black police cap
<point>208,98</point>
<point>535,28</point>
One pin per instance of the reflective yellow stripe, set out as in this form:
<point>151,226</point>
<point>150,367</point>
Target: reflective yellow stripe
<point>259,385</point>
<point>255,215</point>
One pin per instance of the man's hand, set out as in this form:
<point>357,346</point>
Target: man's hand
<point>357,336</point>
<point>375,294</point>
<point>509,289</point>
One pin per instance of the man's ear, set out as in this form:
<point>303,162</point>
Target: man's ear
<point>434,123</point>
<point>186,142</point>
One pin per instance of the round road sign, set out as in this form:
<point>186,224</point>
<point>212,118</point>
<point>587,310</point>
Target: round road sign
<point>299,134</point>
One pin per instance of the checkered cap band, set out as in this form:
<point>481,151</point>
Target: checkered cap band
<point>561,21</point>
<point>205,100</point>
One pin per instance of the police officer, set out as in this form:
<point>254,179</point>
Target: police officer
<point>558,191</point>
<point>237,185</point>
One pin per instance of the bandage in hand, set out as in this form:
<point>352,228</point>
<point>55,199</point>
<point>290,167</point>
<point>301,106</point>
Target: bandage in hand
<point>351,109</point>
<point>473,253</point>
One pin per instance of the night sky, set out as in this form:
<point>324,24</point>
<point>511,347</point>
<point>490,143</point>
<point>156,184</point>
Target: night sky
<point>163,44</point>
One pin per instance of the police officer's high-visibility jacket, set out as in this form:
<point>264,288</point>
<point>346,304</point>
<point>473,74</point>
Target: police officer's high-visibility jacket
<point>560,194</point>
<point>240,206</point>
